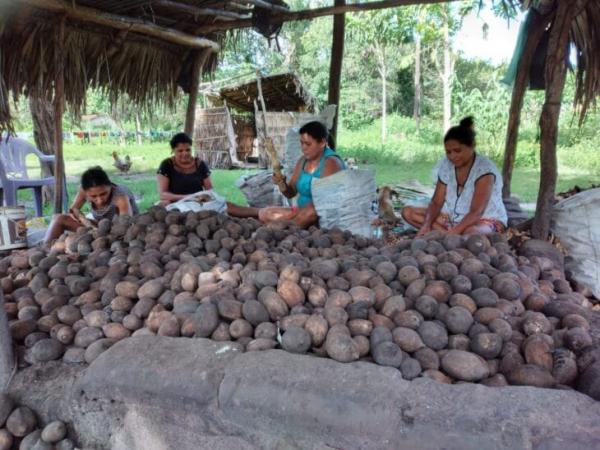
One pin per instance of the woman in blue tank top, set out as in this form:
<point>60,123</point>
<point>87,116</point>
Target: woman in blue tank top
<point>318,161</point>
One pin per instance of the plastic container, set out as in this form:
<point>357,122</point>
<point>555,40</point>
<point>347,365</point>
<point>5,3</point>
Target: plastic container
<point>13,228</point>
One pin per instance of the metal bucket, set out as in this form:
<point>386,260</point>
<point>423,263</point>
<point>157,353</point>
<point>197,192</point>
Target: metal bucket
<point>13,228</point>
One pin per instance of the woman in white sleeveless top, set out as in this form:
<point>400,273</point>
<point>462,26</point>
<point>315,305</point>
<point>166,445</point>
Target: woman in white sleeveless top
<point>468,193</point>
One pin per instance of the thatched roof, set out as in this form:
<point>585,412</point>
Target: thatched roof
<point>584,36</point>
<point>142,48</point>
<point>283,92</point>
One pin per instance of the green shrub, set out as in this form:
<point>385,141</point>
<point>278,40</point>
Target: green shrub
<point>585,155</point>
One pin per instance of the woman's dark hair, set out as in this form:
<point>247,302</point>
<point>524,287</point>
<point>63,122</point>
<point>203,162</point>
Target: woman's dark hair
<point>463,132</point>
<point>316,130</point>
<point>94,176</point>
<point>180,138</point>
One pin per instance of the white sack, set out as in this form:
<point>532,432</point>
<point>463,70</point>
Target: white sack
<point>576,223</point>
<point>216,203</point>
<point>344,200</point>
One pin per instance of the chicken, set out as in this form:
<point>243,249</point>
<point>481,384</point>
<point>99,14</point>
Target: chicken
<point>122,164</point>
<point>351,163</point>
<point>386,208</point>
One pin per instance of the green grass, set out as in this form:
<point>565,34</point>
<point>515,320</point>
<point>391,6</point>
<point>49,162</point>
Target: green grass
<point>406,156</point>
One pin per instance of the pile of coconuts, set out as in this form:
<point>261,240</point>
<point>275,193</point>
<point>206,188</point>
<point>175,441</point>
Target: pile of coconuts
<point>20,429</point>
<point>452,308</point>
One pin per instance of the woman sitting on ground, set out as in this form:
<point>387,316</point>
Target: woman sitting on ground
<point>319,161</point>
<point>183,174</point>
<point>106,200</point>
<point>468,193</point>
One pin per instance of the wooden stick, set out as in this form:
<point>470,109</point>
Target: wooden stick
<point>269,147</point>
<point>196,11</point>
<point>59,107</point>
<point>7,361</point>
<point>91,15</point>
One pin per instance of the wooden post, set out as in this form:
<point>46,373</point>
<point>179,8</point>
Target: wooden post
<point>335,67</point>
<point>555,74</point>
<point>193,96</point>
<point>59,106</point>
<point>7,361</point>
<point>534,34</point>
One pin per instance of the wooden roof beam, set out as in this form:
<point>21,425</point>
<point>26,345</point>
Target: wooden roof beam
<point>91,15</point>
<point>196,11</point>
<point>290,16</point>
<point>268,5</point>
<point>240,5</point>
<point>353,7</point>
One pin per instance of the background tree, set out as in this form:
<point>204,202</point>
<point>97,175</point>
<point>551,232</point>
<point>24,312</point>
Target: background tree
<point>384,45</point>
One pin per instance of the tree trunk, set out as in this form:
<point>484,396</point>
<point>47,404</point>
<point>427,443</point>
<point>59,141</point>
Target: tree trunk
<point>383,104</point>
<point>417,82</point>
<point>535,32</point>
<point>447,76</point>
<point>42,115</point>
<point>190,115</point>
<point>138,128</point>
<point>555,73</point>
<point>335,67</point>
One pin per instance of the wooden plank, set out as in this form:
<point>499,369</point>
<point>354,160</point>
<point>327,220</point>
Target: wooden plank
<point>91,15</point>
<point>59,107</point>
<point>335,67</point>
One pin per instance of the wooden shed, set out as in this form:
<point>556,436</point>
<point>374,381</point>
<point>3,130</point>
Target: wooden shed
<point>284,99</point>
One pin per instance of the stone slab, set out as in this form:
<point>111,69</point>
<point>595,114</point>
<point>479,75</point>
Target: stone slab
<point>158,393</point>
<point>159,370</point>
<point>361,405</point>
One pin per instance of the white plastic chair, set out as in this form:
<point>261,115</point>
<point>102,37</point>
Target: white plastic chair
<point>13,172</point>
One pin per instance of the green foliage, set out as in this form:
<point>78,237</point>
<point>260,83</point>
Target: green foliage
<point>489,108</point>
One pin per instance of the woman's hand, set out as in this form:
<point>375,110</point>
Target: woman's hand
<point>453,230</point>
<point>73,215</point>
<point>279,180</point>
<point>424,230</point>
